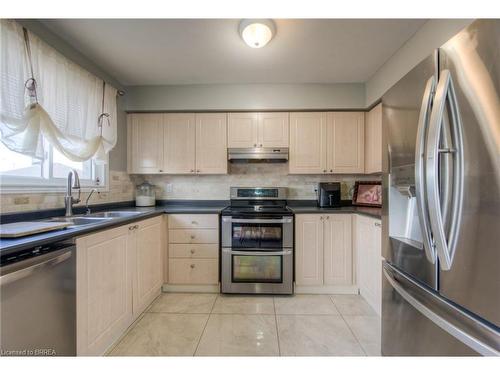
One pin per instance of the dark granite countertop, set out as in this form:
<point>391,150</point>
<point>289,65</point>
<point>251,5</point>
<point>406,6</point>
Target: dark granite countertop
<point>169,207</point>
<point>9,245</point>
<point>310,207</point>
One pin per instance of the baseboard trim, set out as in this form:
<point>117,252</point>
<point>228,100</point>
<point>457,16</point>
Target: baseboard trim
<point>190,288</point>
<point>326,289</point>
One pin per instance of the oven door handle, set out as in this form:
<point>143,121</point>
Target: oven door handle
<point>261,253</point>
<point>229,219</point>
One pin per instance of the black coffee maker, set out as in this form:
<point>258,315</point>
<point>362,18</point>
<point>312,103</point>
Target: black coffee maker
<point>329,194</point>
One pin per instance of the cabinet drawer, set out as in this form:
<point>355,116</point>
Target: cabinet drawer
<point>209,251</point>
<point>183,221</point>
<point>187,236</point>
<point>193,271</point>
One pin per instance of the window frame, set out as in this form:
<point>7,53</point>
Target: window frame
<point>47,183</point>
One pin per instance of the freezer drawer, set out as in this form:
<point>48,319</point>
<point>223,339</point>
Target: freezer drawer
<point>416,321</point>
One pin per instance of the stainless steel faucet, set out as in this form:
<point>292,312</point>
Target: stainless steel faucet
<point>87,209</point>
<point>68,198</point>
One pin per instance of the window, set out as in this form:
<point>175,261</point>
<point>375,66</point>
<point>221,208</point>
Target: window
<point>21,172</point>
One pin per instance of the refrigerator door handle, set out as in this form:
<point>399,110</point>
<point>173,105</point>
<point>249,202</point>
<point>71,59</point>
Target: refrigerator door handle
<point>420,192</point>
<point>409,290</point>
<point>445,244</point>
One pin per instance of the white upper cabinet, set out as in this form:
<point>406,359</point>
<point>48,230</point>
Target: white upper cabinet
<point>308,143</point>
<point>264,129</point>
<point>273,129</point>
<point>211,143</point>
<point>242,130</point>
<point>346,134</point>
<point>179,143</point>
<point>373,140</point>
<point>145,143</point>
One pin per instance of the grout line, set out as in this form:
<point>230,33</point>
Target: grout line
<point>354,335</point>
<point>277,329</point>
<point>201,335</point>
<point>205,326</point>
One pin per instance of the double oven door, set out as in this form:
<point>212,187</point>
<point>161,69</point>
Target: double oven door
<point>257,255</point>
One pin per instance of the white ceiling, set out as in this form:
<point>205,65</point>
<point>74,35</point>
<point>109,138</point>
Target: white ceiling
<point>204,51</point>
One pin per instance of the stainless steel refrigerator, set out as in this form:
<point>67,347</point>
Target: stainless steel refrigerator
<point>441,183</point>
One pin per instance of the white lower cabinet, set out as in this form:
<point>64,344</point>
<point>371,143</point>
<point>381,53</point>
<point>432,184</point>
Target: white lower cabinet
<point>193,252</point>
<point>119,273</point>
<point>323,252</point>
<point>368,243</point>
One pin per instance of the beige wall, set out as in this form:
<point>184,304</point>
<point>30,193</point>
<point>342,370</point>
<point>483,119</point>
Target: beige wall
<point>121,189</point>
<point>217,186</point>
<point>430,36</point>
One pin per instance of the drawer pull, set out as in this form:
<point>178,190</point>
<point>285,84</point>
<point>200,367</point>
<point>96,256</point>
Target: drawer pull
<point>192,266</point>
<point>377,224</point>
<point>193,236</point>
<point>192,251</point>
<point>194,222</point>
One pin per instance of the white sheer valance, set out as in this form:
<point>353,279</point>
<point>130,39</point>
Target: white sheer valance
<point>69,106</point>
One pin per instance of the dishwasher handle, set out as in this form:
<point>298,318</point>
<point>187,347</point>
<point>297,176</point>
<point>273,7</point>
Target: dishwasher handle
<point>25,268</point>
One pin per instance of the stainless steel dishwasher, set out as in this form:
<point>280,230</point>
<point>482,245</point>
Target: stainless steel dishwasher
<point>38,301</point>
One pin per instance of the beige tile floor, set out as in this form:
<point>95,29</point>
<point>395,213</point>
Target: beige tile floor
<point>182,324</point>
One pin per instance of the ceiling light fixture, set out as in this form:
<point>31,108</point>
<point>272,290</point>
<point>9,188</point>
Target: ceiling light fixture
<point>257,32</point>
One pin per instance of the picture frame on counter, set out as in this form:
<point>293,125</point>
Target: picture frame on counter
<point>367,194</point>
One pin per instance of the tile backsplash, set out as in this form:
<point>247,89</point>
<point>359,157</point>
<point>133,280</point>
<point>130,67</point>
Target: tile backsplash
<point>121,189</point>
<point>217,186</point>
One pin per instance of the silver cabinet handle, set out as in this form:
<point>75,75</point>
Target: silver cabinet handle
<point>321,217</point>
<point>192,251</point>
<point>160,170</point>
<point>260,145</point>
<point>327,217</point>
<point>445,246</point>
<point>192,171</point>
<point>410,294</point>
<point>324,170</point>
<point>255,145</point>
<point>192,266</point>
<point>420,193</point>
<point>131,227</point>
<point>377,224</point>
<point>194,222</point>
<point>197,171</point>
<point>193,236</point>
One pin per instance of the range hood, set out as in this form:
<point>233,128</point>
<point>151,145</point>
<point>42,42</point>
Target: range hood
<point>258,155</point>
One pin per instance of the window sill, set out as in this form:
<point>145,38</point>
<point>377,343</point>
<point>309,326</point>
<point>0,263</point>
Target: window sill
<point>48,189</point>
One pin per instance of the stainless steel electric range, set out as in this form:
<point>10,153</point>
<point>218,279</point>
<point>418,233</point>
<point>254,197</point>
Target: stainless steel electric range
<point>257,242</point>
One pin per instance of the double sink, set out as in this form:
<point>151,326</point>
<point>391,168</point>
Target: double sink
<point>95,218</point>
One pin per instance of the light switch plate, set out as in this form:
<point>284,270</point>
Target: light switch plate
<point>170,188</point>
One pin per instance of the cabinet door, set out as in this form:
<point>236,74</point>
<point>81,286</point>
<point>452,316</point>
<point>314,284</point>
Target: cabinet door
<point>308,141</point>
<point>346,142</point>
<point>373,140</point>
<point>242,130</point>
<point>104,289</point>
<point>211,143</point>
<point>309,249</point>
<point>148,263</point>
<point>273,129</point>
<point>338,250</point>
<point>145,147</point>
<point>369,263</point>
<point>179,143</point>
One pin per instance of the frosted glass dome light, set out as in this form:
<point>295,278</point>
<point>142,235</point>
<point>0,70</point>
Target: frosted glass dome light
<point>257,33</point>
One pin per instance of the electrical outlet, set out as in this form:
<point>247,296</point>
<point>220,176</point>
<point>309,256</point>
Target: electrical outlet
<point>170,188</point>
